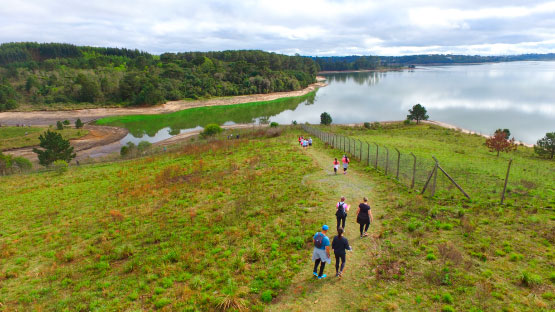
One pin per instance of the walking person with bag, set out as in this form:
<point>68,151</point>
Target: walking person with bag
<point>321,253</point>
<point>339,245</point>
<point>364,217</point>
<point>341,213</point>
<point>346,162</point>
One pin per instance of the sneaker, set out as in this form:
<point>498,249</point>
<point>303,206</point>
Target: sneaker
<point>323,276</point>
<point>340,274</point>
<point>365,234</point>
<point>360,235</point>
<point>315,274</point>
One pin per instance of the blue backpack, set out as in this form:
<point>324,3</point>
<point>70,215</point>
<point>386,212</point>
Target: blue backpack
<point>319,240</point>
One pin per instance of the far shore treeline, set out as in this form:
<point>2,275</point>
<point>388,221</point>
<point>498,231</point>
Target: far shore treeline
<point>40,76</point>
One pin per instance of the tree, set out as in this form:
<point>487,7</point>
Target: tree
<point>506,131</point>
<point>546,145</point>
<point>418,112</point>
<point>89,89</point>
<point>55,147</point>
<point>211,130</point>
<point>499,142</point>
<point>7,97</point>
<point>325,119</point>
<point>59,125</point>
<point>78,123</point>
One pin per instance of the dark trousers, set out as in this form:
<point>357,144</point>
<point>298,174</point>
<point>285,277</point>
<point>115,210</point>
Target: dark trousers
<point>337,258</point>
<point>341,220</point>
<point>323,264</point>
<point>362,226</point>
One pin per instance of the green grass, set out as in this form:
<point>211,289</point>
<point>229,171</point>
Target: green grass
<point>139,125</point>
<point>216,224</point>
<point>447,252</point>
<point>17,137</point>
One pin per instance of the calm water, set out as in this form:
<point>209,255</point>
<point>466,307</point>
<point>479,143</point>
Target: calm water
<point>519,96</point>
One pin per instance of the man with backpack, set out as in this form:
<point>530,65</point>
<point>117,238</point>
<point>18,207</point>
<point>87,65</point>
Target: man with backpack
<point>341,212</point>
<point>321,253</point>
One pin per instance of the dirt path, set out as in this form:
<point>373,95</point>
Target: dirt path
<point>86,115</point>
<point>333,294</point>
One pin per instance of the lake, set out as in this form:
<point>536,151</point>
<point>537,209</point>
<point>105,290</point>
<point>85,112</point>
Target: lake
<point>519,96</point>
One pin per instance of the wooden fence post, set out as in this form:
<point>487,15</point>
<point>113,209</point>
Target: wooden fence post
<point>435,180</point>
<point>398,162</point>
<point>506,179</point>
<point>377,149</point>
<point>386,159</point>
<point>368,155</point>
<point>450,179</point>
<point>428,180</point>
<point>413,170</point>
<point>360,158</point>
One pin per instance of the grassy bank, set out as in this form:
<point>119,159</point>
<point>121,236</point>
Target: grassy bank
<point>17,137</point>
<point>139,125</point>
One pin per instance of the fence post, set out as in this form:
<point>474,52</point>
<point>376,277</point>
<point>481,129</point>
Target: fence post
<point>360,158</point>
<point>344,145</point>
<point>349,145</point>
<point>413,170</point>
<point>506,179</point>
<point>435,180</point>
<point>377,149</point>
<point>386,159</point>
<point>429,178</point>
<point>398,162</point>
<point>368,155</point>
<point>450,179</point>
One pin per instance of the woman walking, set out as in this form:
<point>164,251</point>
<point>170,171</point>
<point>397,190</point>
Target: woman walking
<point>339,245</point>
<point>364,217</point>
<point>335,165</point>
<point>341,213</point>
<point>345,163</point>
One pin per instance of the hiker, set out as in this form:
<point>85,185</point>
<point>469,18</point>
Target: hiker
<point>321,253</point>
<point>335,165</point>
<point>364,217</point>
<point>341,213</point>
<point>339,245</point>
<point>305,143</point>
<point>345,163</point>
<point>309,141</point>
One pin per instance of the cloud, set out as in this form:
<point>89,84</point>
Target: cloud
<point>312,27</point>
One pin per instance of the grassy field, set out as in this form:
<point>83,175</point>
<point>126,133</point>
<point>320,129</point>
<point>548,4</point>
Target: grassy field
<point>216,225</point>
<point>228,224</point>
<point>139,125</point>
<point>17,137</point>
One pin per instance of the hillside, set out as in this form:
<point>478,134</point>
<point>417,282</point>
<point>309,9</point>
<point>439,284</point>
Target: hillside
<point>225,224</point>
<point>53,75</point>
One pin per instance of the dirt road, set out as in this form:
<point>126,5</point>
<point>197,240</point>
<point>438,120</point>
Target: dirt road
<point>86,115</point>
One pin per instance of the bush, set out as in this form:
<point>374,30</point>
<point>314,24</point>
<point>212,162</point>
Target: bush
<point>367,125</point>
<point>294,122</point>
<point>59,125</point>
<point>529,279</point>
<point>407,122</point>
<point>211,129</point>
<point>143,146</point>
<point>266,296</point>
<point>274,124</point>
<point>325,119</point>
<point>60,166</point>
<point>55,147</point>
<point>78,123</point>
<point>66,122</point>
<point>22,163</point>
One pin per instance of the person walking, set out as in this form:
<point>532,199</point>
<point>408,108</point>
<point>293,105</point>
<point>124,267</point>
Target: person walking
<point>364,217</point>
<point>309,141</point>
<point>345,163</point>
<point>335,165</point>
<point>341,213</point>
<point>321,253</point>
<point>339,245</point>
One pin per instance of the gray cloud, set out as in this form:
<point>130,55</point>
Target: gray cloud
<point>289,26</point>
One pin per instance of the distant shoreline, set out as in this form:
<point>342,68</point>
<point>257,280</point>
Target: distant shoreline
<point>381,70</point>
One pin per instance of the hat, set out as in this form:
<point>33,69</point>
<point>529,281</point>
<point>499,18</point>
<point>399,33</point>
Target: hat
<point>325,228</point>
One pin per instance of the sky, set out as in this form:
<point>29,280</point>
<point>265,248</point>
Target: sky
<point>318,28</point>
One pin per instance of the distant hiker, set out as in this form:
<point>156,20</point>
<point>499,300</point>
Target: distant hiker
<point>321,253</point>
<point>364,217</point>
<point>237,137</point>
<point>339,245</point>
<point>341,212</point>
<point>335,165</point>
<point>309,141</point>
<point>300,140</point>
<point>346,162</point>
<point>305,143</point>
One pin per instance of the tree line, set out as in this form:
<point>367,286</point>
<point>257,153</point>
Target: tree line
<point>54,73</point>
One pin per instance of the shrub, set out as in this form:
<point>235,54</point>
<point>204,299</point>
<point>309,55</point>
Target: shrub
<point>529,279</point>
<point>55,147</point>
<point>447,308</point>
<point>545,146</point>
<point>23,163</point>
<point>66,122</point>
<point>325,119</point>
<point>143,146</point>
<point>211,129</point>
<point>294,122</point>
<point>78,123</point>
<point>59,125</point>
<point>367,125</point>
<point>407,122</point>
<point>266,296</point>
<point>430,257</point>
<point>274,124</point>
<point>60,166</point>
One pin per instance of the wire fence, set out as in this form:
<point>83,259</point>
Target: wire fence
<point>424,174</point>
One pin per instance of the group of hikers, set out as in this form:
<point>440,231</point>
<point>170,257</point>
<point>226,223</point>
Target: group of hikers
<point>305,142</point>
<point>322,254</point>
<point>322,246</point>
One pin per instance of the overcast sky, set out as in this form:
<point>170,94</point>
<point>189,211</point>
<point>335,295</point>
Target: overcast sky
<point>323,28</point>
